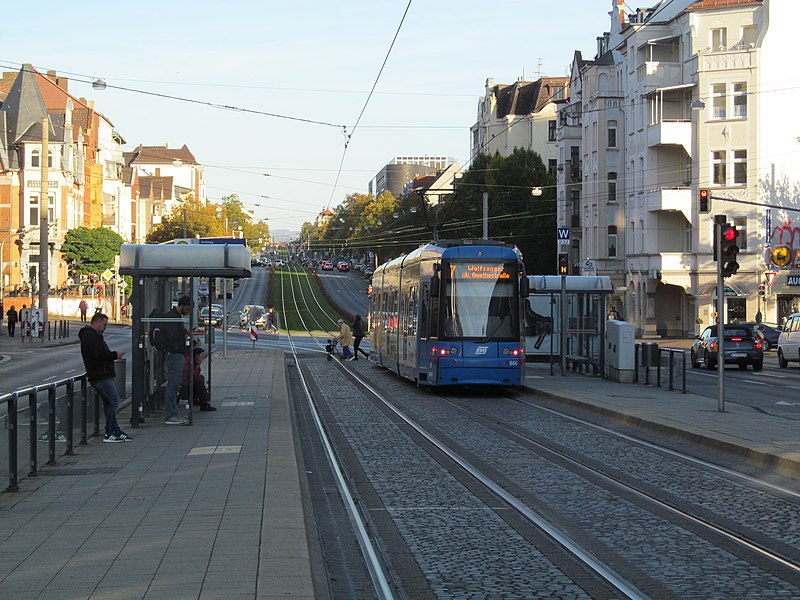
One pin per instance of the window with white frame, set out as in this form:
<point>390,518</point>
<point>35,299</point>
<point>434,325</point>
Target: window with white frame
<point>719,38</point>
<point>551,131</point>
<point>612,187</point>
<point>740,100</point>
<point>612,241</point>
<point>719,167</point>
<point>740,167</point>
<point>612,134</point>
<point>33,209</point>
<point>718,101</point>
<point>741,226</point>
<point>35,158</point>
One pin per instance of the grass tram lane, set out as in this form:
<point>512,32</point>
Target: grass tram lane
<point>305,314</point>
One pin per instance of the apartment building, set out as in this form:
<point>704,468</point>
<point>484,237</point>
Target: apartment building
<point>673,102</point>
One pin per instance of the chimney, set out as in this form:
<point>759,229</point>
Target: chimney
<point>62,82</point>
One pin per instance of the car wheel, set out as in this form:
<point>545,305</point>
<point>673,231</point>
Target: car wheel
<point>695,362</point>
<point>709,365</point>
<point>758,365</point>
<point>782,362</point>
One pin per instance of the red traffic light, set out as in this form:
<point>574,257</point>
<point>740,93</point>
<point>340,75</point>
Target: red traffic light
<point>704,194</point>
<point>729,234</point>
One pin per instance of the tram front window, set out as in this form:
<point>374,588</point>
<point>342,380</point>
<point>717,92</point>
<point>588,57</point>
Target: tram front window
<point>480,301</point>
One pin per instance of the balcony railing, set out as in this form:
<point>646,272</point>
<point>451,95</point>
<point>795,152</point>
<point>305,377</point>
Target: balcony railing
<point>658,74</point>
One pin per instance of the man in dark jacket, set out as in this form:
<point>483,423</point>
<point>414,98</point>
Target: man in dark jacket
<point>175,359</point>
<point>12,320</point>
<point>99,363</point>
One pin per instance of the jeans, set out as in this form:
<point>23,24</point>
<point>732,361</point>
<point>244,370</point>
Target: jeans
<point>174,364</point>
<point>347,352</point>
<point>107,390</point>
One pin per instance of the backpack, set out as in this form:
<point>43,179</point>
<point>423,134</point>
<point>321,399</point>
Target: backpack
<point>157,335</point>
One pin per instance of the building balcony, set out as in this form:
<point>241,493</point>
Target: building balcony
<point>652,75</point>
<point>671,132</point>
<point>671,199</point>
<point>725,60</point>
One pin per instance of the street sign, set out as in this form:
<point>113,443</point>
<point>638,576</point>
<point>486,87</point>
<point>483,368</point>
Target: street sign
<point>222,240</point>
<point>589,267</point>
<point>781,256</point>
<point>769,276</point>
<point>107,274</point>
<point>253,333</point>
<point>122,285</point>
<point>563,236</point>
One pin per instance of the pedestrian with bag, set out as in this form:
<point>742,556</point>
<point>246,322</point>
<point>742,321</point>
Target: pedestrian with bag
<point>13,317</point>
<point>345,338</point>
<point>175,350</point>
<point>98,360</point>
<point>358,335</point>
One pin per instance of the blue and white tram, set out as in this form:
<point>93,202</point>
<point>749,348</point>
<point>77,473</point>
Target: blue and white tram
<point>450,313</point>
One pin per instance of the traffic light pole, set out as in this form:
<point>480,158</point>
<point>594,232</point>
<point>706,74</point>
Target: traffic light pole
<point>719,221</point>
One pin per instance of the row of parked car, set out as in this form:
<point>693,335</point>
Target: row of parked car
<point>746,342</point>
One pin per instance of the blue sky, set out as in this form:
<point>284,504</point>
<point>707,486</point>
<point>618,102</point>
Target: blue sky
<point>312,60</point>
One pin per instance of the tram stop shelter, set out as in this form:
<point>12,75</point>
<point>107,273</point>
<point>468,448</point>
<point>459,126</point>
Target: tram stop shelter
<point>162,273</point>
<point>565,318</point>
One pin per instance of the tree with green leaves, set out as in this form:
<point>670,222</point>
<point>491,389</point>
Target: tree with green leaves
<point>91,250</point>
<point>187,219</point>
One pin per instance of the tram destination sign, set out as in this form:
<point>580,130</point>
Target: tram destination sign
<point>480,271</point>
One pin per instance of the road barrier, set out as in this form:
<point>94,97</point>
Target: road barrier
<point>52,405</point>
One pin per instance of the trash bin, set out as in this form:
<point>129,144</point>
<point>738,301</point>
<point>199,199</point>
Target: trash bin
<point>650,356</point>
<point>119,375</point>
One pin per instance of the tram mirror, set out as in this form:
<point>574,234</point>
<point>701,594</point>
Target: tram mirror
<point>524,287</point>
<point>434,286</point>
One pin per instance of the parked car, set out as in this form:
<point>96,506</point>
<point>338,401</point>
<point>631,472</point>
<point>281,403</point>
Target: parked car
<point>741,348</point>
<point>343,266</point>
<point>216,316</point>
<point>789,341</point>
<point>769,334</point>
<point>326,265</point>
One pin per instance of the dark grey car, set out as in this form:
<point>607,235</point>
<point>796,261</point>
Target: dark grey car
<point>741,348</point>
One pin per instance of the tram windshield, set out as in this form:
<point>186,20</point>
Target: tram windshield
<point>480,301</point>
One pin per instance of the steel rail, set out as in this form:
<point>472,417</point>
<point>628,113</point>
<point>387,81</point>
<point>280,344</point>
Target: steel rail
<point>375,566</point>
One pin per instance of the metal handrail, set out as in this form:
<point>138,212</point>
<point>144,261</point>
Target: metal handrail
<point>671,361</point>
<point>59,422</point>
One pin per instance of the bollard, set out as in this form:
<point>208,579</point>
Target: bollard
<point>84,410</point>
<point>13,478</point>
<point>650,358</point>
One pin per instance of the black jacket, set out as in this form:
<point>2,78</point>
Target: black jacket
<point>175,333</point>
<point>358,328</point>
<point>97,358</point>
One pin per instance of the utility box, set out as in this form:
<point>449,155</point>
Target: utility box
<point>620,351</point>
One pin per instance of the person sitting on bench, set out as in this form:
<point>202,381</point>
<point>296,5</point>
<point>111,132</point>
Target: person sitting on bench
<point>200,391</point>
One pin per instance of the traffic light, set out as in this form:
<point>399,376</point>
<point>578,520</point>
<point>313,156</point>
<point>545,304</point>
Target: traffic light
<point>563,264</point>
<point>729,249</point>
<point>762,290</point>
<point>705,201</point>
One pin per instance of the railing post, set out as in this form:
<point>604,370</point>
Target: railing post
<point>658,369</point>
<point>84,411</point>
<point>636,363</point>
<point>683,391</point>
<point>671,370</point>
<point>13,477</point>
<point>34,438</point>
<point>51,424</point>
<point>70,416</point>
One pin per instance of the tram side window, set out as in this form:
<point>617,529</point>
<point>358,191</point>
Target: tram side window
<point>423,313</point>
<point>412,312</point>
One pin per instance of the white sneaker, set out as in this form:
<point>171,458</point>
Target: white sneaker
<point>352,358</point>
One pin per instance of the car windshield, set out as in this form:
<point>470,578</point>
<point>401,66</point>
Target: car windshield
<point>480,301</point>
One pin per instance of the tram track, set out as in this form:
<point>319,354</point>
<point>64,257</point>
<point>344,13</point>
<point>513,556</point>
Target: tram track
<point>759,558</point>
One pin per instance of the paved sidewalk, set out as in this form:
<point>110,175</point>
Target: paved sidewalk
<point>211,511</point>
<point>760,438</point>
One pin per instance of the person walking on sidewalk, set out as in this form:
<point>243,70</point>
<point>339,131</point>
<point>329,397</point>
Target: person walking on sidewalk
<point>175,336</point>
<point>83,306</point>
<point>13,317</point>
<point>345,338</point>
<point>358,335</point>
<point>99,363</point>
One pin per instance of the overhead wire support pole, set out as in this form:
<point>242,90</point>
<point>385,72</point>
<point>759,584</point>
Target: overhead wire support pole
<point>44,242</point>
<point>719,221</point>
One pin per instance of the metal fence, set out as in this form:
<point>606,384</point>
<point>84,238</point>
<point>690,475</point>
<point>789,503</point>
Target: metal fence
<point>49,411</point>
<point>660,366</point>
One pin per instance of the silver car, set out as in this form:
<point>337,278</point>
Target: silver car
<point>789,341</point>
